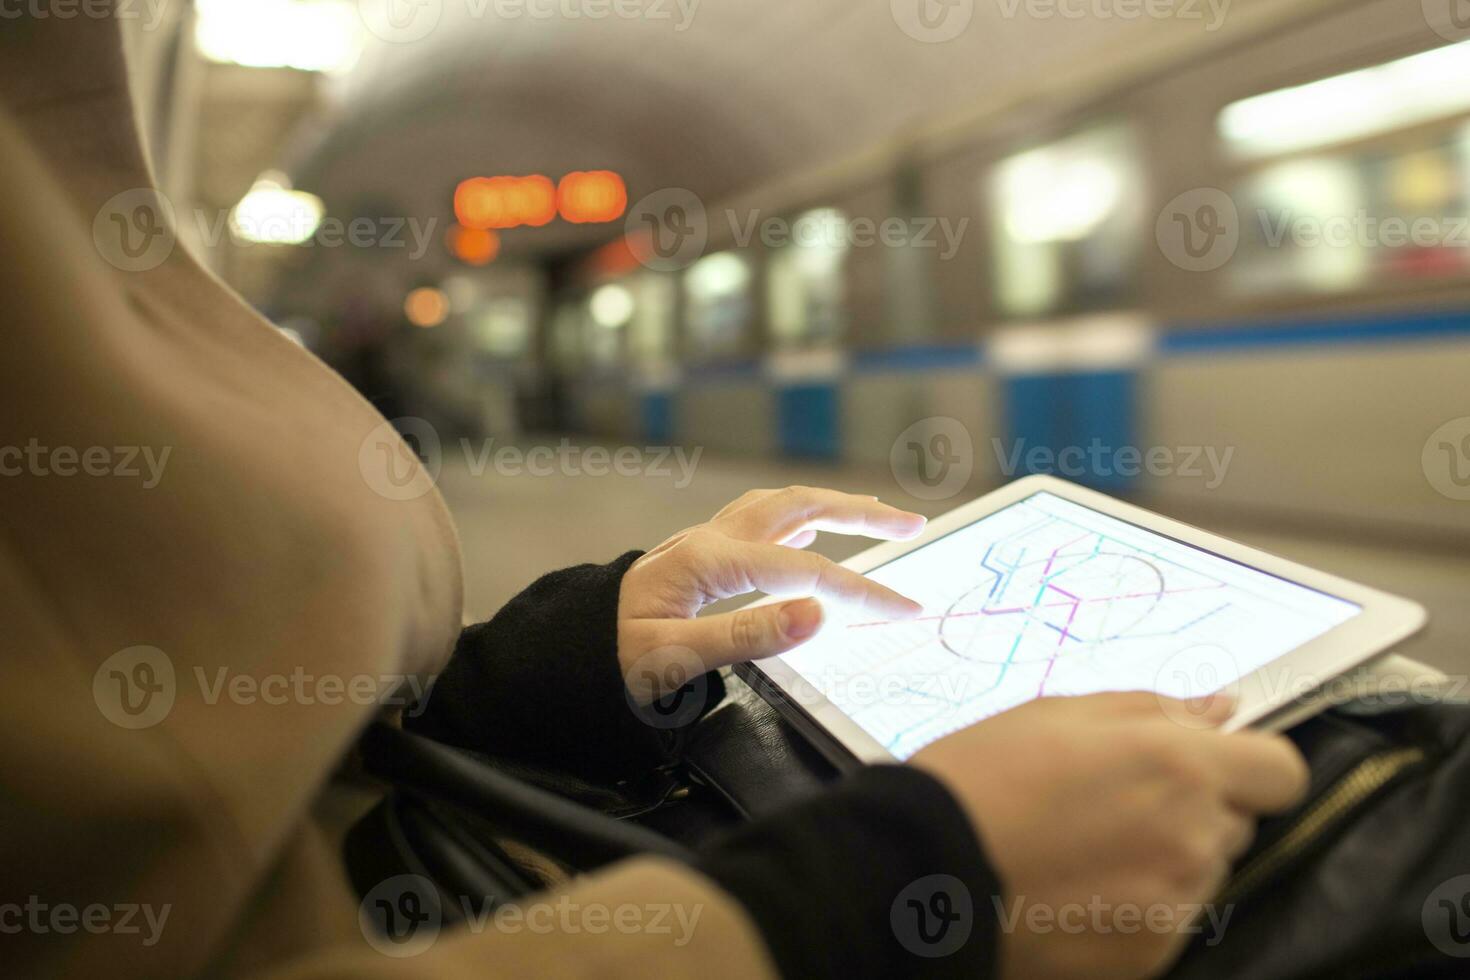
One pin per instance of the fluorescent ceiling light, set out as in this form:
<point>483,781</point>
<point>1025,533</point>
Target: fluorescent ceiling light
<point>309,35</point>
<point>1411,90</point>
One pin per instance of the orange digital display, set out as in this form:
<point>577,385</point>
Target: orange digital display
<point>505,202</point>
<point>498,203</point>
<point>588,197</point>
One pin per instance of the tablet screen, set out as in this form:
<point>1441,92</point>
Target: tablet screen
<point>1048,597</point>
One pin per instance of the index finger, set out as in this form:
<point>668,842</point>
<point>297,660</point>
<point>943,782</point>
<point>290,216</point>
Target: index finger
<point>785,513</point>
<point>786,573</point>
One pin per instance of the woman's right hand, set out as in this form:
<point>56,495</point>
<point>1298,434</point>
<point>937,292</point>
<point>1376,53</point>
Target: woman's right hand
<point>754,544</point>
<point>1116,817</point>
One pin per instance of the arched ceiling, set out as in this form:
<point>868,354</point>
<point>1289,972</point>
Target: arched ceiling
<point>718,102</point>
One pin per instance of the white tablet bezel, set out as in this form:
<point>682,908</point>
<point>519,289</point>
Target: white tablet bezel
<point>1285,682</point>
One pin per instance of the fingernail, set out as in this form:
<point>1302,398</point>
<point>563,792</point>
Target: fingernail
<point>801,619</point>
<point>905,525</point>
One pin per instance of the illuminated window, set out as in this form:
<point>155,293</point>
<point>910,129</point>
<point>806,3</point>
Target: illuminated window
<point>1067,222</point>
<point>1383,197</point>
<point>651,333</point>
<point>717,289</point>
<point>804,294</point>
<point>567,336</point>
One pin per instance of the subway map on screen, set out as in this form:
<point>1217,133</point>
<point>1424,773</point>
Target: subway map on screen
<point>1047,597</point>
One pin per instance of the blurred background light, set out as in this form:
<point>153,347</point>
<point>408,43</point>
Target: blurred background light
<point>718,275</point>
<point>1057,194</point>
<point>1068,225</point>
<point>589,197</point>
<point>473,246</point>
<point>1314,188</point>
<point>533,200</point>
<point>611,306</point>
<point>426,307</point>
<point>805,294</point>
<point>719,305</point>
<point>274,214</point>
<point>505,202</point>
<point>503,328</point>
<point>1345,107</point>
<point>480,203</point>
<point>302,330</point>
<point>463,292</point>
<point>309,35</point>
<point>616,258</point>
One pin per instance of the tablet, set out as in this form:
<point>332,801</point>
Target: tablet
<point>1045,588</point>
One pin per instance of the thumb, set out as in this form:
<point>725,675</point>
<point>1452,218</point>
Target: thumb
<point>750,634</point>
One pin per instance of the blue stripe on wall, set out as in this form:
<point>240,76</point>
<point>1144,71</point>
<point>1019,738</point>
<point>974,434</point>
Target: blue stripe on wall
<point>715,371</point>
<point>935,357</point>
<point>1361,329</point>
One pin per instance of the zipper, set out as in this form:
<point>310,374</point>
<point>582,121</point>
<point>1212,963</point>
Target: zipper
<point>1325,814</point>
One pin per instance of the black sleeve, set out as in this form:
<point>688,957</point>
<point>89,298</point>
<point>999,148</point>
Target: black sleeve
<point>540,683</point>
<point>881,877</point>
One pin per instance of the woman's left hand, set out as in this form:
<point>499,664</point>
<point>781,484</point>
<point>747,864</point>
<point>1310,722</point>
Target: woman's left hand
<point>754,544</point>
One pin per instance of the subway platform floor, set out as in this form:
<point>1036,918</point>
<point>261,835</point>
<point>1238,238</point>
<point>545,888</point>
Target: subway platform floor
<point>515,526</point>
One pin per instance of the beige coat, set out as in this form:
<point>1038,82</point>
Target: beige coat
<point>148,839</point>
